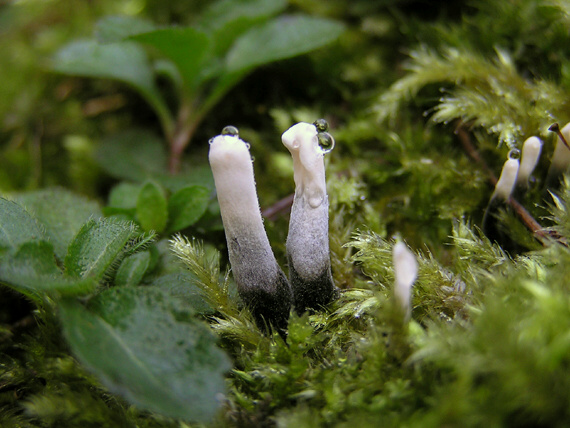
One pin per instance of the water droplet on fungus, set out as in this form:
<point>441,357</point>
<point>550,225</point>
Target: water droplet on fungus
<point>230,130</point>
<point>514,154</point>
<point>321,125</point>
<point>211,141</point>
<point>326,141</point>
<point>316,199</point>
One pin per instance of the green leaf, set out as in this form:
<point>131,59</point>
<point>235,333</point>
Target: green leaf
<point>185,46</point>
<point>200,175</point>
<point>97,245</point>
<point>152,212</point>
<point>16,225</point>
<point>124,61</point>
<point>61,213</point>
<point>181,285</point>
<point>133,269</point>
<point>111,29</point>
<point>186,206</point>
<point>220,13</point>
<point>281,38</point>
<point>144,345</point>
<point>225,20</point>
<point>32,270</point>
<point>133,155</point>
<point>124,195</point>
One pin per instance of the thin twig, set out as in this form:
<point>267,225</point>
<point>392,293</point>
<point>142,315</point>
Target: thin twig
<point>282,206</point>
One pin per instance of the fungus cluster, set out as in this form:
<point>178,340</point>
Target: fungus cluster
<point>261,283</point>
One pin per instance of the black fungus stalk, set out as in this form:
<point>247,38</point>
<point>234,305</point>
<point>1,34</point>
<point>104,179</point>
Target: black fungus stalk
<point>261,283</point>
<point>308,239</point>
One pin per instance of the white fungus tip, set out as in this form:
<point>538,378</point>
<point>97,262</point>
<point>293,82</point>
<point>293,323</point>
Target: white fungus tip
<point>530,155</point>
<point>561,156</point>
<point>308,162</point>
<point>405,265</point>
<point>506,181</point>
<point>405,274</point>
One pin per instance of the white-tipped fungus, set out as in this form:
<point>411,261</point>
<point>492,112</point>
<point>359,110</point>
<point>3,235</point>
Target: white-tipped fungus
<point>308,240</point>
<point>530,154</point>
<point>261,283</point>
<point>501,195</point>
<point>561,157</point>
<point>506,182</point>
<point>405,274</point>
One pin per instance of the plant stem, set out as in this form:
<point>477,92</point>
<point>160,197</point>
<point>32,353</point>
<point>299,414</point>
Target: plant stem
<point>282,206</point>
<point>186,123</point>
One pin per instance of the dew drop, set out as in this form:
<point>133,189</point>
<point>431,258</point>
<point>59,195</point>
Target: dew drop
<point>230,130</point>
<point>321,125</point>
<point>248,145</point>
<point>316,200</point>
<point>210,141</point>
<point>326,141</point>
<point>514,154</point>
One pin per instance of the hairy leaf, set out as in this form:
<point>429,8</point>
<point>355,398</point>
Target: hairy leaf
<point>142,344</point>
<point>16,225</point>
<point>61,213</point>
<point>182,286</point>
<point>32,271</point>
<point>97,245</point>
<point>133,268</point>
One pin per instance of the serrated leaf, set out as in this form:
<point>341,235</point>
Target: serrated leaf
<point>17,226</point>
<point>133,269</point>
<point>186,206</point>
<point>125,61</point>
<point>32,270</point>
<point>133,155</point>
<point>184,46</point>
<point>281,38</point>
<point>152,211</point>
<point>144,345</point>
<point>96,246</point>
<point>61,213</point>
<point>111,29</point>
